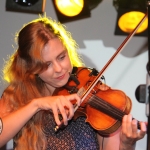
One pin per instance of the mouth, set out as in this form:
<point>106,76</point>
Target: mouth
<point>60,77</point>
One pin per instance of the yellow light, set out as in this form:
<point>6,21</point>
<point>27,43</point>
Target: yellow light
<point>130,20</point>
<point>70,7</point>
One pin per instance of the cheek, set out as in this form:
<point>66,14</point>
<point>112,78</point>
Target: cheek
<point>45,75</point>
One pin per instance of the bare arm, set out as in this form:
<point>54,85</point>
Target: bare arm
<point>107,142</point>
<point>13,122</point>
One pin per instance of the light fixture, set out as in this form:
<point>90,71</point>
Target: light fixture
<point>130,13</point>
<point>26,2</point>
<point>28,6</point>
<point>71,10</point>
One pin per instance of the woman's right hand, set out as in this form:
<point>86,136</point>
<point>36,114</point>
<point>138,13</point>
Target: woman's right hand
<point>59,105</point>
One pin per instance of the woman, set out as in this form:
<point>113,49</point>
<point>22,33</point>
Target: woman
<point>42,63</point>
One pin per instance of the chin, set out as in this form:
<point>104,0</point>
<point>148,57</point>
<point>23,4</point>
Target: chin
<point>61,84</point>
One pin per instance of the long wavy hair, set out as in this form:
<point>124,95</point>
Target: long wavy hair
<point>22,69</point>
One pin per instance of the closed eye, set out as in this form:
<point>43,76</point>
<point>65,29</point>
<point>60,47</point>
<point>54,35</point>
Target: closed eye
<point>63,55</point>
<point>48,63</point>
<point>60,57</point>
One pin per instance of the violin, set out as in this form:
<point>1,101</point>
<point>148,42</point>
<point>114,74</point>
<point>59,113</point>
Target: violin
<point>104,110</point>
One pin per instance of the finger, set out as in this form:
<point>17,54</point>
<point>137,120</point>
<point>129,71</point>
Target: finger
<point>75,97</point>
<point>61,107</point>
<point>143,130</point>
<point>146,123</point>
<point>134,128</point>
<point>55,113</point>
<point>69,105</point>
<point>124,124</point>
<point>128,123</point>
<point>127,130</point>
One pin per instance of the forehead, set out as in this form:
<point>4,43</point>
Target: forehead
<point>52,49</point>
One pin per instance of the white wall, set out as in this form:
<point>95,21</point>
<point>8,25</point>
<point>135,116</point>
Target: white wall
<point>95,36</point>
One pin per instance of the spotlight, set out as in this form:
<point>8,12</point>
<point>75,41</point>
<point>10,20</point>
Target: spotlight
<point>130,13</point>
<point>29,6</point>
<point>71,10</point>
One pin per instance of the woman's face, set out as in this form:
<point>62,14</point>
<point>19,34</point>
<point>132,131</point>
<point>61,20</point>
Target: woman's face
<point>59,65</point>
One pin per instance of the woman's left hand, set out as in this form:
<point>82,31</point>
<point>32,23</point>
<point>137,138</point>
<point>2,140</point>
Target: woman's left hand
<point>130,133</point>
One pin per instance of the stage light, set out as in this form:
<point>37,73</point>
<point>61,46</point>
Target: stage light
<point>129,14</point>
<point>28,6</point>
<point>71,10</point>
<point>26,2</point>
<point>128,21</point>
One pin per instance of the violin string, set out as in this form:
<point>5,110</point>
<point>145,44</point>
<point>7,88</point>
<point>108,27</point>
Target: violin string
<point>110,110</point>
<point>104,106</point>
<point>116,113</point>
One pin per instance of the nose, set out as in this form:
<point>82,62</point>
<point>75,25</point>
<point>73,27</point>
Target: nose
<point>57,67</point>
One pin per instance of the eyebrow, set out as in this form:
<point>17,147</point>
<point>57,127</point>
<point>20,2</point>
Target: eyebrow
<point>63,52</point>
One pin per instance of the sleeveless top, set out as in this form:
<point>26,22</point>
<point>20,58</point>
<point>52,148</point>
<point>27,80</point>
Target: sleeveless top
<point>77,135</point>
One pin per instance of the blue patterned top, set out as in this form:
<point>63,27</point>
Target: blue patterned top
<point>77,135</point>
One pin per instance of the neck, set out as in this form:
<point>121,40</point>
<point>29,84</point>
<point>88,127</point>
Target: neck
<point>49,89</point>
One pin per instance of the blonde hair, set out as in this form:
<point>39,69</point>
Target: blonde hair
<point>21,71</point>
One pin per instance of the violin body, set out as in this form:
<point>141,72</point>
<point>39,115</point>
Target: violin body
<point>107,119</point>
<point>103,109</point>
